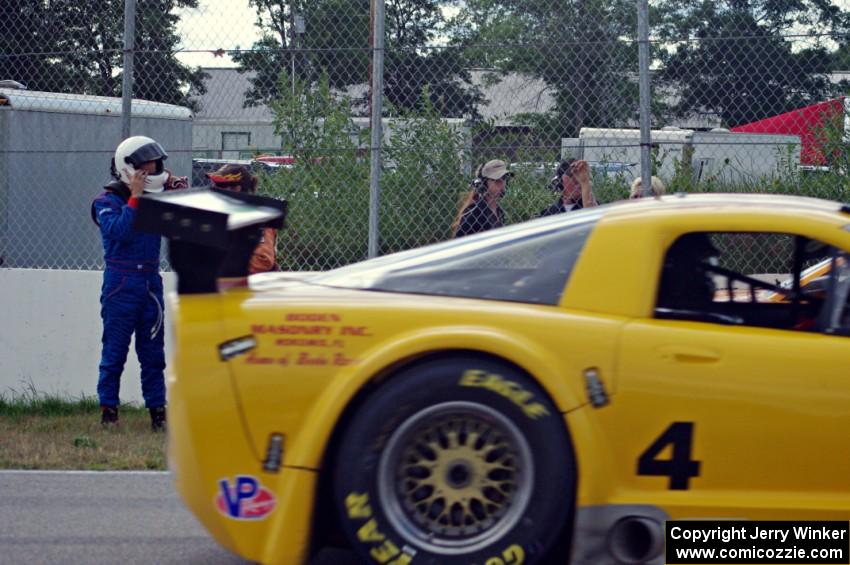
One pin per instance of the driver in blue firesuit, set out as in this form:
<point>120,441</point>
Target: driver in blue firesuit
<point>131,296</point>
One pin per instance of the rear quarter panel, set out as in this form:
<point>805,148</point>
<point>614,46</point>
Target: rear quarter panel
<point>300,388</point>
<point>206,436</point>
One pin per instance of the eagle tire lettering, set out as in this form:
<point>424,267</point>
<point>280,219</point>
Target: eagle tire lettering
<point>509,389</point>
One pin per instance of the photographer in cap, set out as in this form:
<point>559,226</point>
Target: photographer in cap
<point>480,210</point>
<point>572,181</point>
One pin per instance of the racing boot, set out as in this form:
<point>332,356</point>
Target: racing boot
<point>157,418</point>
<point>108,416</point>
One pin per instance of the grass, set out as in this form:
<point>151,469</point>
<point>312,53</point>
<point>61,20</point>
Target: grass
<point>42,431</point>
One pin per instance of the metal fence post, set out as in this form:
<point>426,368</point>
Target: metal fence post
<point>643,84</point>
<point>127,79</point>
<point>377,126</point>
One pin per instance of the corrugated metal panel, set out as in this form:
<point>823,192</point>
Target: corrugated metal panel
<point>223,101</point>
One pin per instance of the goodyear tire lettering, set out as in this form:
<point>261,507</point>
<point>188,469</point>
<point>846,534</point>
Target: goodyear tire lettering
<point>384,552</point>
<point>368,532</point>
<point>381,549</point>
<point>509,389</point>
<point>514,555</point>
<point>358,505</point>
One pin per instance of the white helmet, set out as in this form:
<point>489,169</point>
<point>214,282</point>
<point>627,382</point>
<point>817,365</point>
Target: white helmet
<point>131,153</point>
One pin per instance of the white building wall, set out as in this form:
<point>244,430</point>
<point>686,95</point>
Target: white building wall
<point>207,139</point>
<point>207,135</point>
<point>50,333</point>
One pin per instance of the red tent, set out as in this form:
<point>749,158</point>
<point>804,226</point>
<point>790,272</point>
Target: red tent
<point>807,122</point>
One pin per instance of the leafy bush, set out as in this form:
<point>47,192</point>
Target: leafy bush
<point>425,172</point>
<point>328,186</point>
<point>425,175</point>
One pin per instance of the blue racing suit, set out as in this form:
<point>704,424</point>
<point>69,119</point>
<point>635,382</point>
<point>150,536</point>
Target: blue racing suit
<point>130,299</point>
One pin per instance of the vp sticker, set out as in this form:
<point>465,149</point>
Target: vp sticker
<point>245,499</point>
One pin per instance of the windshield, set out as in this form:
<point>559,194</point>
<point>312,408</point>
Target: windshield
<point>528,262</point>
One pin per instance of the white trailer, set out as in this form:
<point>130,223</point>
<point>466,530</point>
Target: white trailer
<point>707,156</point>
<point>55,151</point>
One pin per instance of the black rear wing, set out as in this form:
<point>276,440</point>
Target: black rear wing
<point>211,233</point>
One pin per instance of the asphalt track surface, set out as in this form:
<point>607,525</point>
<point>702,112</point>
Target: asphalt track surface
<point>100,517</point>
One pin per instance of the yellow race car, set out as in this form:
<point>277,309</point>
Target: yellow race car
<point>547,392</point>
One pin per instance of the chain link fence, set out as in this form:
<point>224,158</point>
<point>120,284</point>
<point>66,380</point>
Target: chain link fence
<point>746,97</point>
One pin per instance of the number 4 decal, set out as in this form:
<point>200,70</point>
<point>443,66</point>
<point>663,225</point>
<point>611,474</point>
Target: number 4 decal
<point>680,467</point>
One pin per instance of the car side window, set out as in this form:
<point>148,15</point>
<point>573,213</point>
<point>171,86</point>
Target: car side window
<point>773,280</point>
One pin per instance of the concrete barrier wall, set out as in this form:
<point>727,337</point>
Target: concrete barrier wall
<point>50,333</point>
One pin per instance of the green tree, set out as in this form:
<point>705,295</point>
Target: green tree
<point>24,29</point>
<point>75,46</point>
<point>579,48</point>
<point>335,43</point>
<point>841,60</point>
<point>739,58</point>
<point>419,74</point>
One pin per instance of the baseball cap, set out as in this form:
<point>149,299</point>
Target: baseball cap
<point>495,170</point>
<point>229,175</point>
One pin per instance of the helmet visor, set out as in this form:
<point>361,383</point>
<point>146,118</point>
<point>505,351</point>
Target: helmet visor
<point>147,152</point>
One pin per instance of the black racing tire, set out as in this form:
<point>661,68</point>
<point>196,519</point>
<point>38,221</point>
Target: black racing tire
<point>455,461</point>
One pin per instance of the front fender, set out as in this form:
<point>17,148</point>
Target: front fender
<point>550,371</point>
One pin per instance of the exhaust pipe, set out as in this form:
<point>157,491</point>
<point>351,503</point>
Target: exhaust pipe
<point>635,539</point>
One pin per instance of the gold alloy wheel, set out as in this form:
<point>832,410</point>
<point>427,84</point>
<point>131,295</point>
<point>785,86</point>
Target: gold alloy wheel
<point>455,477</point>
